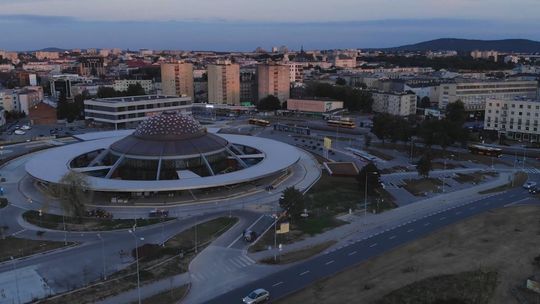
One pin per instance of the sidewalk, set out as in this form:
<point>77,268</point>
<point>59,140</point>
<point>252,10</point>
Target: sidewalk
<point>374,223</point>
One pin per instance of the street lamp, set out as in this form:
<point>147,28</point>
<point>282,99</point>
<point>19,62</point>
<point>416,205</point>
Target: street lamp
<point>14,263</point>
<point>365,191</point>
<point>137,261</point>
<point>103,255</point>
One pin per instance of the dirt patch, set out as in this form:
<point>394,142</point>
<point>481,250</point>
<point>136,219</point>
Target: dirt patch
<point>419,187</point>
<point>475,177</point>
<point>505,241</point>
<point>299,255</point>
<point>170,296</point>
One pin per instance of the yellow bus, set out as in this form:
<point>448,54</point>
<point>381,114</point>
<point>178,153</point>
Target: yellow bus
<point>341,124</point>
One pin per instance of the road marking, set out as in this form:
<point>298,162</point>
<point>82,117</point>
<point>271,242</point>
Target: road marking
<point>277,284</point>
<point>373,245</point>
<point>18,232</point>
<point>472,208</point>
<point>304,273</point>
<point>351,253</point>
<point>458,212</point>
<point>410,230</point>
<point>247,259</point>
<point>442,218</point>
<point>392,237</point>
<point>329,262</point>
<point>426,224</point>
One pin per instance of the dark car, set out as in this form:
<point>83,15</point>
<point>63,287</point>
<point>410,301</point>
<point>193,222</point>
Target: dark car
<point>249,235</point>
<point>159,213</point>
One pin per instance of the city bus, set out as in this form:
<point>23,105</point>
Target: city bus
<point>341,123</point>
<point>484,150</point>
<point>259,122</point>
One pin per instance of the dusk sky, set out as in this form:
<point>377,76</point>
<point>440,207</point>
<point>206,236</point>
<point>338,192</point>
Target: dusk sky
<point>246,24</point>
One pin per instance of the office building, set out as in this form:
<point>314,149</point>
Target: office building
<point>63,84</point>
<point>224,83</point>
<point>91,66</point>
<point>127,112</point>
<point>273,79</point>
<point>395,103</point>
<point>314,105</point>
<point>517,118</point>
<point>475,93</point>
<point>177,79</point>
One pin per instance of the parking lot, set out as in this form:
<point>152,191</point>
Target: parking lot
<point>14,131</point>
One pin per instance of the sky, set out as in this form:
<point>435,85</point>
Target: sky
<point>246,24</point>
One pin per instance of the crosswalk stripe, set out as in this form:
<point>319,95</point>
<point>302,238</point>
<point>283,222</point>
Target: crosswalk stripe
<point>236,263</point>
<point>247,260</point>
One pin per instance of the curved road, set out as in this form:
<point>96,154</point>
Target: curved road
<point>305,273</point>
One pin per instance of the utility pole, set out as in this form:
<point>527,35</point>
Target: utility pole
<point>103,255</point>
<point>132,232</point>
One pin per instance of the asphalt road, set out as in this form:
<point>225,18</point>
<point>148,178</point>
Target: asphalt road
<point>303,274</point>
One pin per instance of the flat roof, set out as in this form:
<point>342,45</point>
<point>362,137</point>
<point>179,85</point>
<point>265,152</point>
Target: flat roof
<point>135,98</point>
<point>52,164</point>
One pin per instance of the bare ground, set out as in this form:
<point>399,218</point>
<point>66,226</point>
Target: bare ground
<point>504,241</point>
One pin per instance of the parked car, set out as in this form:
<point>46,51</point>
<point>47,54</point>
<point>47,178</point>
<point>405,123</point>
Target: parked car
<point>529,185</point>
<point>26,127</point>
<point>99,213</point>
<point>257,296</point>
<point>19,132</point>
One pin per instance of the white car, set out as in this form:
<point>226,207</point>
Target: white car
<point>257,296</point>
<point>527,185</point>
<point>19,132</point>
<point>26,127</point>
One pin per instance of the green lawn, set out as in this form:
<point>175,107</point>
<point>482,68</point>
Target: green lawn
<point>16,247</point>
<point>53,221</point>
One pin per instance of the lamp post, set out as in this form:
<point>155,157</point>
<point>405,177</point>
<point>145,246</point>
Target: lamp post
<point>14,263</point>
<point>103,255</point>
<point>365,191</point>
<point>137,261</point>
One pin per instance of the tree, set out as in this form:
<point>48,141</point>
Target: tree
<point>106,92</point>
<point>269,103</point>
<point>340,81</point>
<point>373,178</point>
<point>367,140</point>
<point>455,112</point>
<point>72,192</point>
<point>292,202</point>
<point>424,166</point>
<point>425,102</point>
<point>135,90</point>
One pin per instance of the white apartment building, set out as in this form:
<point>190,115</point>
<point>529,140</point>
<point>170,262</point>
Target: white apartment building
<point>122,85</point>
<point>296,72</point>
<point>395,103</point>
<point>474,94</point>
<point>127,112</point>
<point>518,119</point>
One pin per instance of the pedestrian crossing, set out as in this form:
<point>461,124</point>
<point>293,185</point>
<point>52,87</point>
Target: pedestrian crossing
<point>531,170</point>
<point>222,267</point>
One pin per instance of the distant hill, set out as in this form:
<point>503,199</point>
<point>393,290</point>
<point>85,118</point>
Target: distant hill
<point>467,45</point>
<point>50,49</point>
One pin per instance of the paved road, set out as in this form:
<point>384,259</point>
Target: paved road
<point>303,274</point>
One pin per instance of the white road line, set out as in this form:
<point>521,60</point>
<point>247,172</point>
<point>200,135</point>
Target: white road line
<point>245,259</point>
<point>410,230</point>
<point>236,263</point>
<point>472,208</point>
<point>304,273</point>
<point>249,259</point>
<point>442,218</point>
<point>458,212</point>
<point>392,237</point>
<point>351,253</point>
<point>373,245</point>
<point>426,224</point>
<point>329,262</point>
<point>277,284</point>
<point>18,232</point>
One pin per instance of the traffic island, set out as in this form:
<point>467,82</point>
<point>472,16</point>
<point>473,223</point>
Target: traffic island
<point>299,255</point>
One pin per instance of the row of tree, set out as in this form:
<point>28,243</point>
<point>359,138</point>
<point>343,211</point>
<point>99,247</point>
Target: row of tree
<point>354,99</point>
<point>132,90</point>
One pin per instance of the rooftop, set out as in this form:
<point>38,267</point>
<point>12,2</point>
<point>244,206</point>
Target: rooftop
<point>134,98</point>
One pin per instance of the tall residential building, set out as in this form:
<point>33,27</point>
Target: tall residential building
<point>177,79</point>
<point>395,103</point>
<point>91,66</point>
<point>273,79</point>
<point>123,84</point>
<point>296,72</point>
<point>224,83</point>
<point>516,118</point>
<point>248,85</point>
<point>475,93</point>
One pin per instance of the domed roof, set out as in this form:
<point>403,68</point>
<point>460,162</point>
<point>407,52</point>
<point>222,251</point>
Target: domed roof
<point>169,135</point>
<point>169,125</point>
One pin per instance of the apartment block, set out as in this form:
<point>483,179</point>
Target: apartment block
<point>122,85</point>
<point>395,103</point>
<point>177,79</point>
<point>224,83</point>
<point>273,79</point>
<point>518,118</point>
